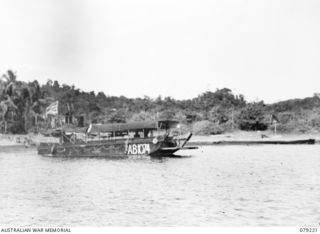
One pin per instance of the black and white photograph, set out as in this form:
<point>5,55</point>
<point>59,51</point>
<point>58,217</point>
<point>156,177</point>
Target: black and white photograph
<point>159,114</point>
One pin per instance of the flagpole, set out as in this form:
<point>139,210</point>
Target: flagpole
<point>58,113</point>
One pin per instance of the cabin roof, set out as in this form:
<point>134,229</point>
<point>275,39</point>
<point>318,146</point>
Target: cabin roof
<point>121,127</point>
<point>162,124</point>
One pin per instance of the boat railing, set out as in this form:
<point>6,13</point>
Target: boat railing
<point>74,138</point>
<point>69,139</point>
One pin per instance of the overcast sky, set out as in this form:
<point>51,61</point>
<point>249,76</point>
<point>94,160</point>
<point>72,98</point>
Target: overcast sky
<point>266,50</point>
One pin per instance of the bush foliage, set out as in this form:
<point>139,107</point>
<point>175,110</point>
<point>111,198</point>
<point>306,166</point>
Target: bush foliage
<point>206,127</point>
<point>252,117</point>
<point>22,103</point>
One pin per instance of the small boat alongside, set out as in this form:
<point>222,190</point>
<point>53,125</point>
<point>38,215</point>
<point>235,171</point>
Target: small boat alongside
<point>268,142</point>
<point>119,140</point>
<point>252,142</point>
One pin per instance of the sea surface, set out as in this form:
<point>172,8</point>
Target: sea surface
<point>213,186</point>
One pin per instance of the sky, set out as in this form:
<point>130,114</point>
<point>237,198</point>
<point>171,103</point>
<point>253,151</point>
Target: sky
<point>264,49</point>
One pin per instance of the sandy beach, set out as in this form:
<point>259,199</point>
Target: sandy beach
<point>254,136</point>
<point>27,140</point>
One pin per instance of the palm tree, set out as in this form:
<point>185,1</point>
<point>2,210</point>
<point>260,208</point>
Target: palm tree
<point>7,106</point>
<point>21,99</point>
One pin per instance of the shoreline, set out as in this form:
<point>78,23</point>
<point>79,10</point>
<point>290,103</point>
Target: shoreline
<point>32,140</point>
<point>23,140</point>
<point>255,136</point>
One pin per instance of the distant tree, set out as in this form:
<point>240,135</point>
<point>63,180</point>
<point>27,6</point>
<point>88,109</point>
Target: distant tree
<point>219,115</point>
<point>56,85</point>
<point>167,114</point>
<point>206,127</point>
<point>142,116</point>
<point>251,118</point>
<point>49,82</point>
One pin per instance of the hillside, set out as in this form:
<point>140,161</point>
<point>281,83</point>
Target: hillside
<point>23,105</point>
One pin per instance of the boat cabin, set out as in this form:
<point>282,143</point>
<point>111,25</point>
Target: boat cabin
<point>131,130</point>
<point>98,132</point>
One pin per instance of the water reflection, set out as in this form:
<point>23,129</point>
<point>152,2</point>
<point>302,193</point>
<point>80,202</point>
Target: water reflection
<point>230,186</point>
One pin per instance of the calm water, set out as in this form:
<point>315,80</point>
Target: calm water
<point>216,186</point>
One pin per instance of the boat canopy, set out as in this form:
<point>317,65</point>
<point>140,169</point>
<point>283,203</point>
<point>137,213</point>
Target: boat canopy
<point>135,126</point>
<point>94,128</point>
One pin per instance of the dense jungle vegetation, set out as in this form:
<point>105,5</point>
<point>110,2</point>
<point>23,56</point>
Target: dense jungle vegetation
<point>23,104</point>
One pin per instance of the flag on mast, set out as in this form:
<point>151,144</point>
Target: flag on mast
<point>52,109</point>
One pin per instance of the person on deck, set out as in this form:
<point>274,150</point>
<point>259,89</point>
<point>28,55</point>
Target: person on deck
<point>136,135</point>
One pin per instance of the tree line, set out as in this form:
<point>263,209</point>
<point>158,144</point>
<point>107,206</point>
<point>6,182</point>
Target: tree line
<point>23,104</point>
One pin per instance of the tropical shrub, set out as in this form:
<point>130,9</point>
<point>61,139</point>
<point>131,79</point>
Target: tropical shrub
<point>252,118</point>
<point>206,127</point>
<point>142,116</point>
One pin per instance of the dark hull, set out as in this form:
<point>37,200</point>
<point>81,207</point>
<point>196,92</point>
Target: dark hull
<point>164,152</point>
<point>121,148</point>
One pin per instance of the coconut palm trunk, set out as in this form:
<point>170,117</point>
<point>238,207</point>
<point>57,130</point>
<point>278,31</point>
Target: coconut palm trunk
<point>5,126</point>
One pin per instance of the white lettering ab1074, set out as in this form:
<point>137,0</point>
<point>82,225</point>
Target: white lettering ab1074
<point>138,149</point>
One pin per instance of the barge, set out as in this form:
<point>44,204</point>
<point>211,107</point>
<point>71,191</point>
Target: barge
<point>119,140</point>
